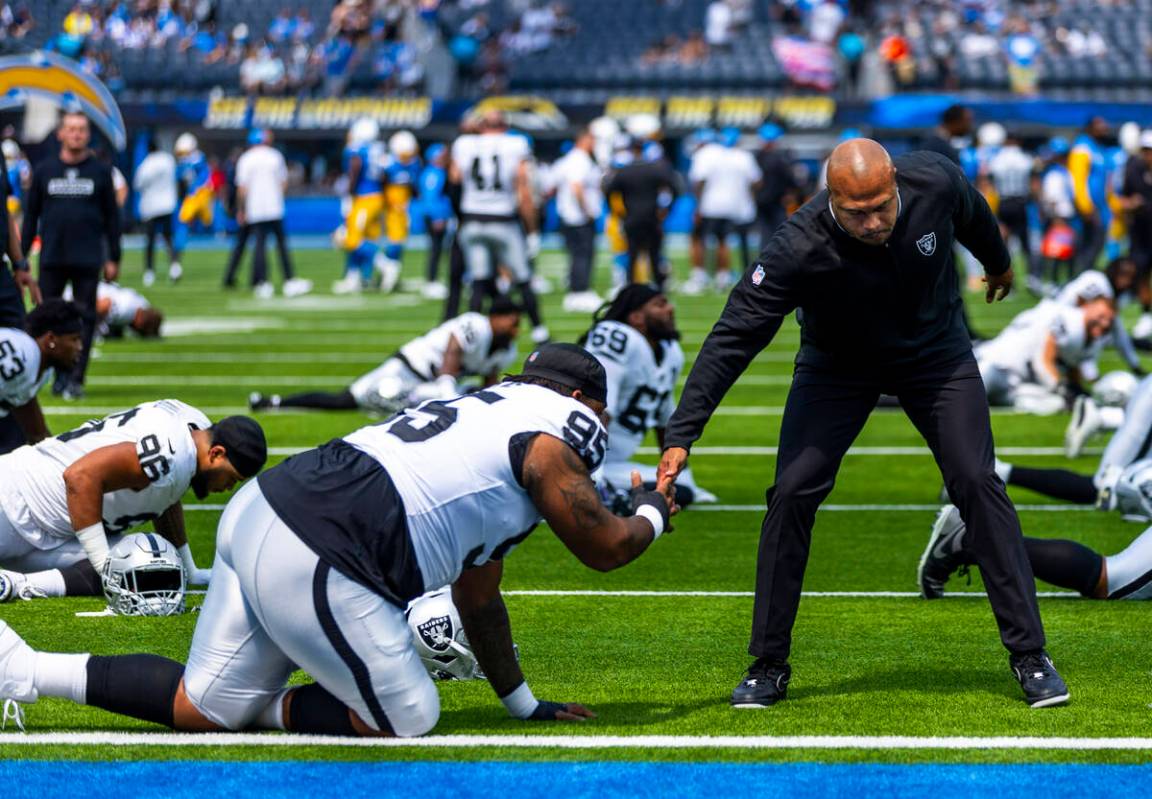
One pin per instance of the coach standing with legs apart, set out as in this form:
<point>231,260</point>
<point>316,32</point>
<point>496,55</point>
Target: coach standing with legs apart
<point>72,205</point>
<point>869,263</point>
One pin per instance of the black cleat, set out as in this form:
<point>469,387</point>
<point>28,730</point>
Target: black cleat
<point>765,684</point>
<point>944,553</point>
<point>1042,685</point>
<point>258,402</point>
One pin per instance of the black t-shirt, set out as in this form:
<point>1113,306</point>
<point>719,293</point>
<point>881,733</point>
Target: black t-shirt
<point>1138,183</point>
<point>73,209</point>
<point>867,310</point>
<point>640,185</point>
<point>343,505</point>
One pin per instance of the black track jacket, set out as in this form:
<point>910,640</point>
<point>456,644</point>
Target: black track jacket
<point>864,310</point>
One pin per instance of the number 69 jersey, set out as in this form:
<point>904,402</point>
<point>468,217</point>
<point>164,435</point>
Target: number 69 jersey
<point>641,386</point>
<point>455,469</point>
<point>32,492</point>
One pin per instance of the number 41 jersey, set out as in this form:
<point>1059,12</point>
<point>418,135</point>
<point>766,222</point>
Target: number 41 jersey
<point>32,490</point>
<point>641,387</point>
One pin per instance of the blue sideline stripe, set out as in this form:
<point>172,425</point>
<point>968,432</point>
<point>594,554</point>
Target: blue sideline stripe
<point>442,780</point>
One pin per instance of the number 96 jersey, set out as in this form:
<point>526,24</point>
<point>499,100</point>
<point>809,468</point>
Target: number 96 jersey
<point>641,384</point>
<point>32,492</point>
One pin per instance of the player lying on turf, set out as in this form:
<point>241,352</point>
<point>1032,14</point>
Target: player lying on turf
<point>1116,284</point>
<point>317,558</point>
<point>1125,467</point>
<point>635,338</point>
<point>471,345</point>
<point>61,499</point>
<point>51,340</point>
<point>1066,564</point>
<point>120,308</point>
<point>1027,365</point>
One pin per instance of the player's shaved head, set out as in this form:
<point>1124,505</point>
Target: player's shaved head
<point>862,190</point>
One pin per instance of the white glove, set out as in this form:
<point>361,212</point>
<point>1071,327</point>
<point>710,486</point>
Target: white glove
<point>532,243</point>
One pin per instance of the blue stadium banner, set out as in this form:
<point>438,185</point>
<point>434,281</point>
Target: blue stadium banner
<point>62,81</point>
<point>334,113</point>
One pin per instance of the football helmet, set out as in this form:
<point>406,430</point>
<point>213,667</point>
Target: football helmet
<point>1115,389</point>
<point>1134,492</point>
<point>363,131</point>
<point>991,134</point>
<point>185,143</point>
<point>403,145</point>
<point>438,635</point>
<point>643,126</point>
<point>10,149</point>
<point>144,577</point>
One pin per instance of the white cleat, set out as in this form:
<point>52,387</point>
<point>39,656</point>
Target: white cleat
<point>434,291</point>
<point>701,496</point>
<point>17,660</point>
<point>581,302</point>
<point>1084,424</point>
<point>388,272</point>
<point>1143,327</point>
<point>541,285</point>
<point>540,334</point>
<point>264,291</point>
<point>148,279</point>
<point>175,272</point>
<point>14,585</point>
<point>349,284</point>
<point>296,287</point>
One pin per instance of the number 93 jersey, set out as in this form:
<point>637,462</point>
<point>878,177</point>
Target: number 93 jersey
<point>20,380</point>
<point>457,465</point>
<point>32,491</point>
<point>641,384</point>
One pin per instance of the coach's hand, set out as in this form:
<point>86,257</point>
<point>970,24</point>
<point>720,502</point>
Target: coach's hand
<point>28,283</point>
<point>672,462</point>
<point>998,286</point>
<point>111,271</point>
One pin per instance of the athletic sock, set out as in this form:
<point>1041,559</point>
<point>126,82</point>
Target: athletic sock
<point>140,686</point>
<point>272,716</point>
<point>62,676</point>
<point>1056,483</point>
<point>324,400</point>
<point>81,579</point>
<point>1065,563</point>
<point>1003,470</point>
<point>1111,418</point>
<point>1130,570</point>
<point>50,582</point>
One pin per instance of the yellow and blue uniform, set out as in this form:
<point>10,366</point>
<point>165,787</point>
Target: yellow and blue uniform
<point>433,194</point>
<point>18,169</point>
<point>363,221</point>
<point>1118,228</point>
<point>195,176</point>
<point>1088,165</point>
<point>401,179</point>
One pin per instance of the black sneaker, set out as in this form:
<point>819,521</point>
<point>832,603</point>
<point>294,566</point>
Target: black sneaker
<point>765,684</point>
<point>1043,686</point>
<point>258,402</point>
<point>944,553</point>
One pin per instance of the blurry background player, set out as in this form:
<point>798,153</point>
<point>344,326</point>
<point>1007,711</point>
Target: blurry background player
<point>65,496</point>
<point>429,367</point>
<point>19,174</point>
<point>1088,166</point>
<point>497,212</point>
<point>363,169</point>
<point>725,179</point>
<point>1067,564</point>
<point>401,173</point>
<point>647,190</point>
<point>1115,283</point>
<point>198,197</point>
<point>1037,356</point>
<point>1012,172</point>
<point>778,187</point>
<point>1057,215</point>
<point>51,340</point>
<point>1136,197</point>
<point>155,184</point>
<point>119,308</point>
<point>579,204</point>
<point>635,338</point>
<point>437,209</point>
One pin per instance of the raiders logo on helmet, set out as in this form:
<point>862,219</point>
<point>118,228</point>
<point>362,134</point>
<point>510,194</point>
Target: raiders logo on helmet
<point>436,633</point>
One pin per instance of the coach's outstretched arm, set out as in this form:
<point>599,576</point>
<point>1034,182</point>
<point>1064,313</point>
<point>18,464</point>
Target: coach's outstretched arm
<point>979,231</point>
<point>755,309</point>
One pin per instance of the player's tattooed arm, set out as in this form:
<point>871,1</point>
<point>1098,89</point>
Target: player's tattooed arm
<point>560,486</point>
<point>476,594</point>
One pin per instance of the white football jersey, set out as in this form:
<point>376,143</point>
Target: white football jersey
<point>474,332</point>
<point>1089,285</point>
<point>125,303</point>
<point>488,163</point>
<point>32,490</point>
<point>1020,346</point>
<point>456,464</point>
<point>641,388</point>
<point>728,175</point>
<point>20,378</point>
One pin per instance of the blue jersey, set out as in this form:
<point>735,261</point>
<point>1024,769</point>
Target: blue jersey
<point>370,156</point>
<point>17,170</point>
<point>1098,174</point>
<point>192,170</point>
<point>402,173</point>
<point>433,181</point>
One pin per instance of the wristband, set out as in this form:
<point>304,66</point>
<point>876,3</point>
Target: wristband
<point>20,265</point>
<point>520,703</point>
<point>655,518</point>
<point>95,543</point>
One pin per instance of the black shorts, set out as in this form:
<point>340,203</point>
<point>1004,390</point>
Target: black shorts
<point>712,227</point>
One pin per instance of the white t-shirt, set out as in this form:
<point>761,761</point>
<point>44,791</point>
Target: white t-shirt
<point>32,492</point>
<point>1056,194</point>
<point>474,332</point>
<point>641,389</point>
<point>718,23</point>
<point>20,380</point>
<point>1019,348</point>
<point>488,163</point>
<point>262,173</point>
<point>1011,171</point>
<point>125,303</point>
<point>457,465</point>
<point>577,167</point>
<point>728,175</point>
<point>155,183</point>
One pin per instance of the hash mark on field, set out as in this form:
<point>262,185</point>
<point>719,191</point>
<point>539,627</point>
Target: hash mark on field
<point>871,742</point>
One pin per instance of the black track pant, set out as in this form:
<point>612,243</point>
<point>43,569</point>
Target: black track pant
<point>84,280</point>
<point>1014,216</point>
<point>1093,237</point>
<point>237,254</point>
<point>158,226</point>
<point>260,233</point>
<point>456,272</point>
<point>581,243</point>
<point>644,236</point>
<point>824,413</point>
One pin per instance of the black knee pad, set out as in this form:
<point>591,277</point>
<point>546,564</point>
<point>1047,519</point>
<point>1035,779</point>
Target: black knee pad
<point>313,710</point>
<point>140,686</point>
<point>81,579</point>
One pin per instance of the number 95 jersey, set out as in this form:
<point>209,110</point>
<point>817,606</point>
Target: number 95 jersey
<point>457,466</point>
<point>641,385</point>
<point>32,491</point>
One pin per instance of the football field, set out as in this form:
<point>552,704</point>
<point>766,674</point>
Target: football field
<point>880,676</point>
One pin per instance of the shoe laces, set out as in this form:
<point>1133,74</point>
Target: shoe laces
<point>1033,662</point>
<point>27,591</point>
<point>14,712</point>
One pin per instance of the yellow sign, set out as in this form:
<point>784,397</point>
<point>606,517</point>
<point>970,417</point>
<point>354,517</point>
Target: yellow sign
<point>684,112</point>
<point>524,112</point>
<point>327,114</point>
<point>62,81</point>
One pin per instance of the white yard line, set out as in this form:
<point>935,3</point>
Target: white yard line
<point>887,452</point>
<point>833,508</point>
<point>870,742</point>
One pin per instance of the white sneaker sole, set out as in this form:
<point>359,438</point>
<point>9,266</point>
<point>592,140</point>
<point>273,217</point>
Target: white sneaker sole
<point>1051,702</point>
